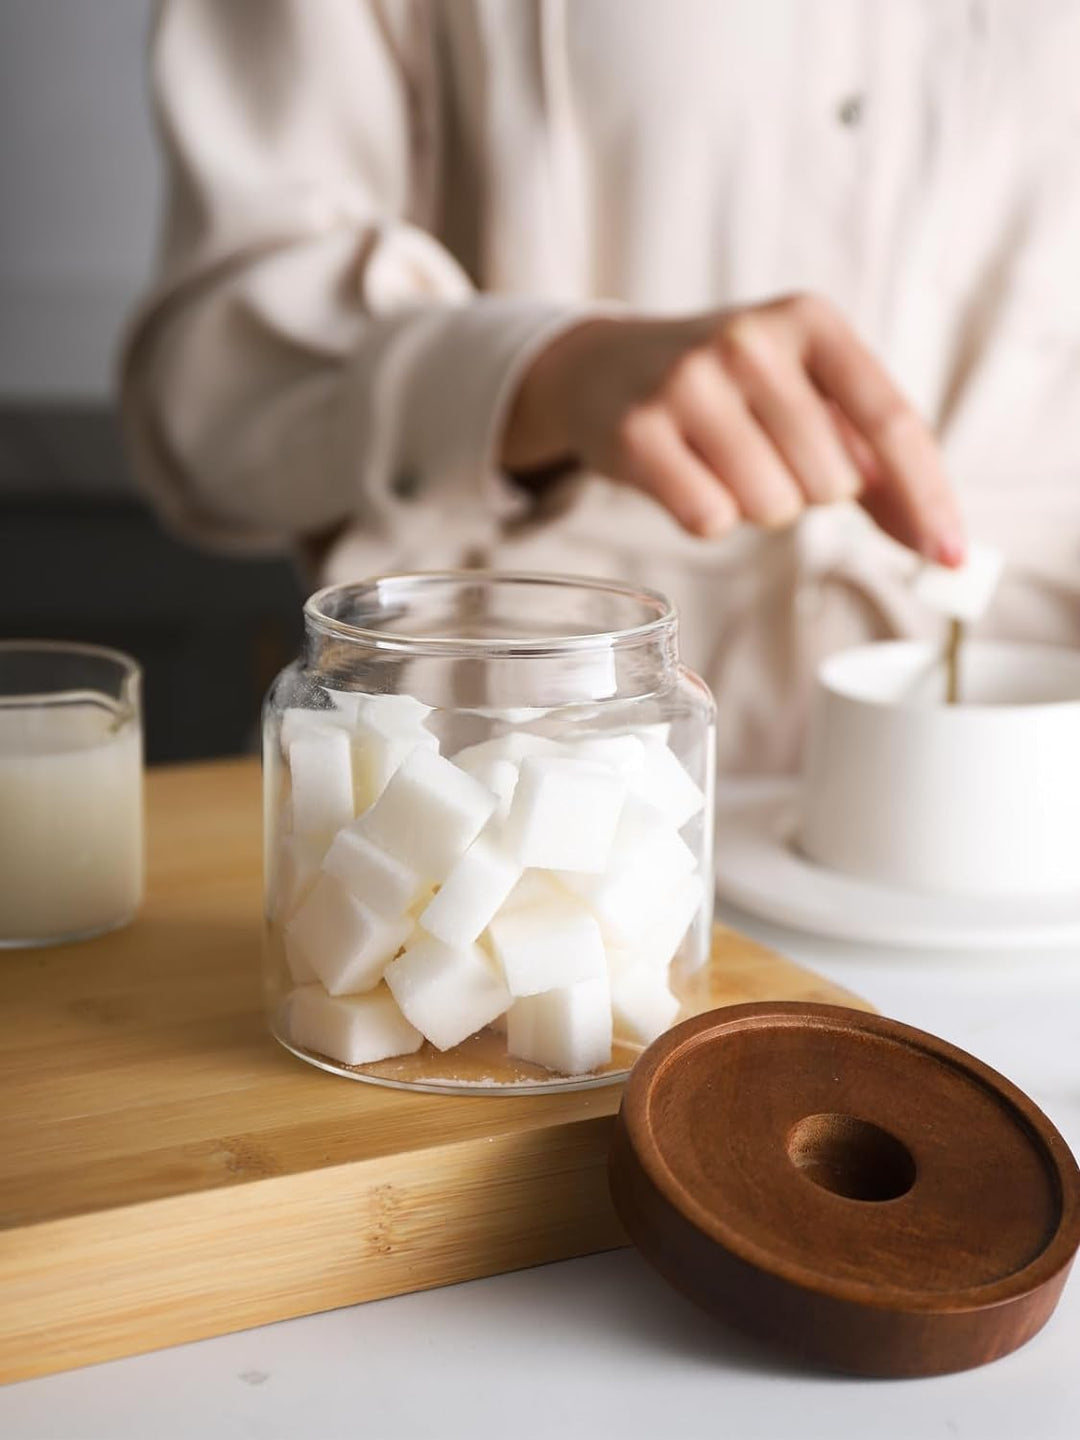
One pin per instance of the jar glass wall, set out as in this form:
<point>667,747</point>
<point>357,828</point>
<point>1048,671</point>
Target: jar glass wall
<point>488,825</point>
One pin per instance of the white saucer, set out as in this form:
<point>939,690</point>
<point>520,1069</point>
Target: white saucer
<point>759,869</point>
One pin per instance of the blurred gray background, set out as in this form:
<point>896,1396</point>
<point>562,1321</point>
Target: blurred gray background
<point>80,556</point>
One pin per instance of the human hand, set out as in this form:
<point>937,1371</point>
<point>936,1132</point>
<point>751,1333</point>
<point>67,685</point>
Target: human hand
<point>752,414</point>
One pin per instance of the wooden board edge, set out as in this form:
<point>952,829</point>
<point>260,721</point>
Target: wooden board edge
<point>84,1290</point>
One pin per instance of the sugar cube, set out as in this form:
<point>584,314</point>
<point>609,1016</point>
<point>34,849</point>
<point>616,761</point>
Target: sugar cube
<point>564,813</point>
<point>543,947</point>
<point>536,887</point>
<point>495,762</point>
<point>387,730</point>
<point>658,945</point>
<point>345,942</point>
<point>295,868</point>
<point>446,992</point>
<point>297,721</point>
<point>370,873</point>
<point>515,747</point>
<point>664,783</point>
<point>352,1029</point>
<point>964,593</point>
<point>624,753</point>
<point>320,765</point>
<point>389,712</point>
<point>567,1030</point>
<point>649,860</point>
<point>642,1005</point>
<point>472,892</point>
<point>429,814</point>
<point>376,758</point>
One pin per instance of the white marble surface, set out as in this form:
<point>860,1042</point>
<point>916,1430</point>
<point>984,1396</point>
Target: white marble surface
<point>601,1347</point>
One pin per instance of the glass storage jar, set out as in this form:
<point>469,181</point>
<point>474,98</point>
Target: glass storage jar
<point>488,831</point>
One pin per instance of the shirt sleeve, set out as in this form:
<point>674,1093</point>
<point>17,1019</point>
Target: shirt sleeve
<point>309,354</point>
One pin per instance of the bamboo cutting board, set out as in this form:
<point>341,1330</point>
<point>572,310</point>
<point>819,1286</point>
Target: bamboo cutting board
<point>168,1172</point>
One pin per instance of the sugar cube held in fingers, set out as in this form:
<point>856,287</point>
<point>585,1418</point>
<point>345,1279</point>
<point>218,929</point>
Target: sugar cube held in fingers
<point>964,593</point>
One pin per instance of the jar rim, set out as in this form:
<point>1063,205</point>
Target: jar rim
<point>123,662</point>
<point>659,623</point>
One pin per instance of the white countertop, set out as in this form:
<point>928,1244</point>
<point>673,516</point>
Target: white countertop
<point>601,1346</point>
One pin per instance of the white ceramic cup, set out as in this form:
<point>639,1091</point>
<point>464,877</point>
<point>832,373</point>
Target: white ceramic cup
<point>981,798</point>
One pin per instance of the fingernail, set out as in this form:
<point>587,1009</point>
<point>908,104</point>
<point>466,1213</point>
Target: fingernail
<point>714,527</point>
<point>951,549</point>
<point>783,517</point>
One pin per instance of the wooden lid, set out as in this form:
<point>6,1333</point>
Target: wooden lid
<point>851,1188</point>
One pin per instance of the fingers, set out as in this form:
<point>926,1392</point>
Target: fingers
<point>804,433</point>
<point>713,416</point>
<point>911,498</point>
<point>655,457</point>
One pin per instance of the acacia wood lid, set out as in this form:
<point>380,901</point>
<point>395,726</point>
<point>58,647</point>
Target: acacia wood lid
<point>853,1189</point>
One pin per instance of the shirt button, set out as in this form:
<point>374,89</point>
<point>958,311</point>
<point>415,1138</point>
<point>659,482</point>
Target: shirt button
<point>850,110</point>
<point>406,486</point>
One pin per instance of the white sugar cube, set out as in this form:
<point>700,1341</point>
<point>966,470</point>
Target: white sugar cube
<point>495,762</point>
<point>543,947</point>
<point>658,945</point>
<point>447,993</point>
<point>642,1006</point>
<point>501,778</point>
<point>649,861</point>
<point>964,593</point>
<point>564,814</point>
<point>536,887</point>
<point>381,744</point>
<point>429,814</point>
<point>345,942</point>
<point>625,754</point>
<point>659,731</point>
<point>295,868</point>
<point>370,873</point>
<point>320,765</point>
<point>471,893</point>
<point>346,703</point>
<point>352,1029</point>
<point>517,746</point>
<point>376,759</point>
<point>664,783</point>
<point>392,712</point>
<point>297,721</point>
<point>566,1030</point>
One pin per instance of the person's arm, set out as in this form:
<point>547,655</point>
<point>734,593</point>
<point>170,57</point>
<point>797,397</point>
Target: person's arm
<point>310,354</point>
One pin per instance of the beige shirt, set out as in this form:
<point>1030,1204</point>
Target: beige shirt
<point>377,212</point>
